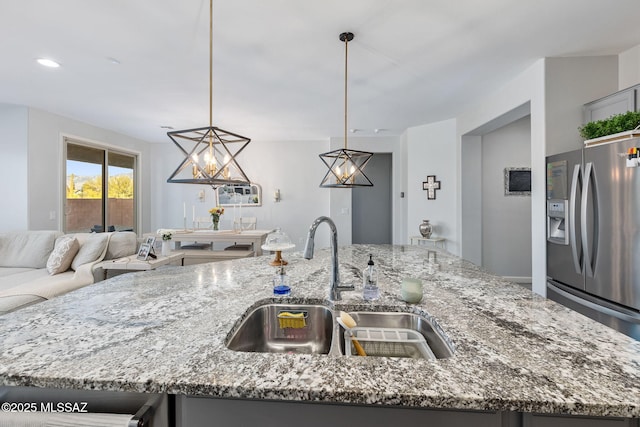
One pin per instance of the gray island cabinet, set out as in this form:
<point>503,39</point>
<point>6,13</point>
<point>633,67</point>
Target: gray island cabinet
<point>519,359</point>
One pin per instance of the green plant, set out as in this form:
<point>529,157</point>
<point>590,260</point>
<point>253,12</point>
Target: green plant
<point>614,124</point>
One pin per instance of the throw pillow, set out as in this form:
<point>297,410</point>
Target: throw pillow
<point>65,249</point>
<point>92,249</point>
<point>121,244</point>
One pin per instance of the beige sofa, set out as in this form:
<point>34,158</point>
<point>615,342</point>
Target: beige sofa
<point>26,275</point>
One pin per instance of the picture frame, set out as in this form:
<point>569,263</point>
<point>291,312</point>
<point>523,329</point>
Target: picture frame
<point>517,181</point>
<point>144,251</point>
<point>151,241</point>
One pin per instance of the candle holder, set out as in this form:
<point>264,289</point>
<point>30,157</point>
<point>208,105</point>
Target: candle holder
<point>237,225</point>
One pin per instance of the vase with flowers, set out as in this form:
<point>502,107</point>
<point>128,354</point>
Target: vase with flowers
<point>216,213</point>
<point>166,242</point>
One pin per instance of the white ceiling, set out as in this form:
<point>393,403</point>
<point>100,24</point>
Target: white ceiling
<point>278,64</point>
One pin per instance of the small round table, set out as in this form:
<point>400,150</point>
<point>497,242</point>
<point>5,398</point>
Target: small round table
<point>278,248</point>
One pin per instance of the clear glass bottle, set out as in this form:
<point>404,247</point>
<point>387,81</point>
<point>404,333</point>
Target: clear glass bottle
<point>370,290</point>
<point>281,286</point>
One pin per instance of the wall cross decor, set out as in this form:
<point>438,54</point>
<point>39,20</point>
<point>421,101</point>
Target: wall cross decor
<point>431,185</point>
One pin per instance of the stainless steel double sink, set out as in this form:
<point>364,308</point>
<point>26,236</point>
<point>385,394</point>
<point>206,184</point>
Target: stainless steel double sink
<point>262,331</point>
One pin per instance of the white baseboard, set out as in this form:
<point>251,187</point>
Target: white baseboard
<point>518,279</point>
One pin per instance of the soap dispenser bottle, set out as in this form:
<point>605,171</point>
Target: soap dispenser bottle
<point>281,283</point>
<point>370,281</point>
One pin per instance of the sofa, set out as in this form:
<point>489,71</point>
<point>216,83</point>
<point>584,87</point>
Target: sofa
<point>38,265</point>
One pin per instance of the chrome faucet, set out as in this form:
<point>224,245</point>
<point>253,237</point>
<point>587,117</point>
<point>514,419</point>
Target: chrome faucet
<point>334,294</point>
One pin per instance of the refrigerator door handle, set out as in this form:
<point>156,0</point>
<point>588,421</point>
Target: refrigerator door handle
<point>589,241</point>
<point>620,313</point>
<point>573,241</point>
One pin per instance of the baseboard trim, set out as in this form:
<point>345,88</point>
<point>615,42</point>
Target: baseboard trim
<point>518,279</point>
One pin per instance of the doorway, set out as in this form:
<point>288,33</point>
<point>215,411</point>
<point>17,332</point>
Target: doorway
<point>497,226</point>
<point>371,219</point>
<point>99,188</point>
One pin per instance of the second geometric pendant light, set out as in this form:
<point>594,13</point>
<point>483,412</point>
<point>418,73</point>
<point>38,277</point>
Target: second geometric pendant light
<point>345,166</point>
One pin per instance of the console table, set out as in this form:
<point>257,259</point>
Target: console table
<point>132,263</point>
<point>435,241</point>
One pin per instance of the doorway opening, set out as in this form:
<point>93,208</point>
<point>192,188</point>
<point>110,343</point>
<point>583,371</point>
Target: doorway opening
<point>496,226</point>
<point>371,220</point>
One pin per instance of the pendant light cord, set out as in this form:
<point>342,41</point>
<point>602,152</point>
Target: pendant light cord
<point>208,141</point>
<point>210,63</point>
<point>345,166</point>
<point>346,56</point>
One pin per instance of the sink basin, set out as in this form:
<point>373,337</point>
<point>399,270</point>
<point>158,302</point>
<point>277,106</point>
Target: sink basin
<point>261,330</point>
<point>440,345</point>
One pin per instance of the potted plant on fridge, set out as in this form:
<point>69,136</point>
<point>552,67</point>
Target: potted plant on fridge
<point>616,127</point>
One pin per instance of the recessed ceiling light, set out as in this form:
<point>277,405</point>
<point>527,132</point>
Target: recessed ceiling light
<point>113,60</point>
<point>48,62</point>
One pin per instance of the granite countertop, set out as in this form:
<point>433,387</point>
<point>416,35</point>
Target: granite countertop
<point>164,331</point>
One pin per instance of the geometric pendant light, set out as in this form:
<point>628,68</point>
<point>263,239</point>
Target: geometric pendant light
<point>209,152</point>
<point>345,166</point>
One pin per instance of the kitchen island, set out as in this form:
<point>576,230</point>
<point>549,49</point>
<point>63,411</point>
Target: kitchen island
<point>164,331</point>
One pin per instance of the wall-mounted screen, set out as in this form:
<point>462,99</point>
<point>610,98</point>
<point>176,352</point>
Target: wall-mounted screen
<point>517,181</point>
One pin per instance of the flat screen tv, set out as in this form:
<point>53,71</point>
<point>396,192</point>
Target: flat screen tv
<point>517,181</point>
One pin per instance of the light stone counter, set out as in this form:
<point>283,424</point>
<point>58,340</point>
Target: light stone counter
<point>164,331</point>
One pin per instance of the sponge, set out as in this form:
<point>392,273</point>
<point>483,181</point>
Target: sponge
<point>292,320</point>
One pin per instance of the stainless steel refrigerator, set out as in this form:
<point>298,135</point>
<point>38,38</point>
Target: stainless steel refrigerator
<point>593,233</point>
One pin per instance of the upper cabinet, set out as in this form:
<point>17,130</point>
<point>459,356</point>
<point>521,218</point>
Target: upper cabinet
<point>617,103</point>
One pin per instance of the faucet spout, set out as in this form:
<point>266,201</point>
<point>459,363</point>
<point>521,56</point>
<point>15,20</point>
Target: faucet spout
<point>308,254</point>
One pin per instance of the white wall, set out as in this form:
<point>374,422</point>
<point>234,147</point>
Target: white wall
<point>471,181</point>
<point>293,167</point>
<point>471,199</point>
<point>569,84</point>
<point>506,220</point>
<point>46,163</point>
<point>431,150</point>
<point>14,168</point>
<point>629,68</point>
<point>555,89</point>
<point>526,89</point>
